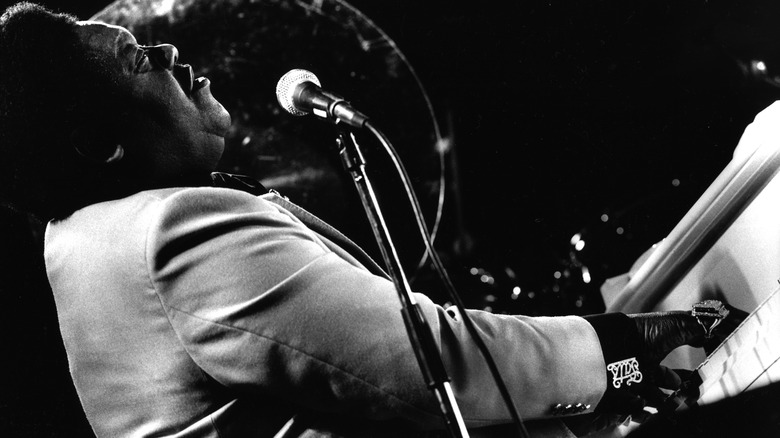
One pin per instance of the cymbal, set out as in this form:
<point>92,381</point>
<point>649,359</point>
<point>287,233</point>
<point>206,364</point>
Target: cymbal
<point>245,46</point>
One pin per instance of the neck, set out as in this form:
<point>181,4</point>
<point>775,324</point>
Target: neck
<point>197,179</point>
<point>126,186</point>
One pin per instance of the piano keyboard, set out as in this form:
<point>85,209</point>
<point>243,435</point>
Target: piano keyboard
<point>748,358</point>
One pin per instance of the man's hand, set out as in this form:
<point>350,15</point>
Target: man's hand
<point>662,332</point>
<point>657,334</point>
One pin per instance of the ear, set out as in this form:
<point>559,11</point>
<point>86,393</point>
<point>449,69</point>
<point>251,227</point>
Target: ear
<point>95,147</point>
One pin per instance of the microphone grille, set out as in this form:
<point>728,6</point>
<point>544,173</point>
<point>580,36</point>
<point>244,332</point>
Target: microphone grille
<point>285,89</point>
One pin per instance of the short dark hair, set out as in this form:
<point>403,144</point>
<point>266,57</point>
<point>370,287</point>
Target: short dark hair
<point>49,84</point>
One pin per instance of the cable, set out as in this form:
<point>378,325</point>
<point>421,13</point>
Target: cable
<point>436,130</point>
<point>449,287</point>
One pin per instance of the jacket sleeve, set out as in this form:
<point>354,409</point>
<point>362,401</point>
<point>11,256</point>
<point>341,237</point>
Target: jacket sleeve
<point>264,307</point>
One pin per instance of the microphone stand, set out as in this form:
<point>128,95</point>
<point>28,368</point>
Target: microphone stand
<point>417,327</point>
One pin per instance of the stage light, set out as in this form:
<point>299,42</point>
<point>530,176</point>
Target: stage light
<point>586,274</point>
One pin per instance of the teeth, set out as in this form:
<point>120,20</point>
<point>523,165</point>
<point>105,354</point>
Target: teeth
<point>199,83</point>
<point>192,79</point>
<point>184,76</point>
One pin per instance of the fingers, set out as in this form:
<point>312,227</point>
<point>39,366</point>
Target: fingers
<point>685,375</point>
<point>735,314</point>
<point>662,332</point>
<point>667,378</point>
<point>724,329</point>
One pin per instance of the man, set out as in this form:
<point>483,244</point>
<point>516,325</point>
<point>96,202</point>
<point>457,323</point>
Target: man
<point>189,310</point>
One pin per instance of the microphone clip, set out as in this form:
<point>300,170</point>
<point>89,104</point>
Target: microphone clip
<point>328,106</point>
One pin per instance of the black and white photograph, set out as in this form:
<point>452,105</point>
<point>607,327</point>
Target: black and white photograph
<point>346,218</point>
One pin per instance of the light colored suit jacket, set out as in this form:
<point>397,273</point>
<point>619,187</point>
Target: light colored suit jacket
<point>208,312</point>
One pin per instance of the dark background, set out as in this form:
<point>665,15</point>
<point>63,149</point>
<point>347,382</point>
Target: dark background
<point>560,113</point>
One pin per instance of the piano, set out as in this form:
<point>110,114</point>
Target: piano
<point>726,247</point>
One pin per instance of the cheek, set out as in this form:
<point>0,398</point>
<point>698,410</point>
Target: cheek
<point>160,97</point>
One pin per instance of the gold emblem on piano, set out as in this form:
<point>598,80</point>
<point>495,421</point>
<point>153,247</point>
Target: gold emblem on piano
<point>625,370</point>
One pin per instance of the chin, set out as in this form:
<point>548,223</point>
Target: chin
<point>217,123</point>
<point>216,118</point>
<point>224,123</point>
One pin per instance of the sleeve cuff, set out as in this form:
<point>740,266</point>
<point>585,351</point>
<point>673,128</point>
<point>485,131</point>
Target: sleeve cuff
<point>621,347</point>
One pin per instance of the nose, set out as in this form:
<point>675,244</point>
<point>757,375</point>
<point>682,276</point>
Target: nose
<point>164,56</point>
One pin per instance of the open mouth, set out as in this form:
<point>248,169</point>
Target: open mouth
<point>185,77</point>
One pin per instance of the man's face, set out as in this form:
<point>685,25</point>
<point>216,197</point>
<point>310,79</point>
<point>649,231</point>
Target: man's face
<point>174,126</point>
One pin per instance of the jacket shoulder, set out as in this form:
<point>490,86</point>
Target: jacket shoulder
<point>204,199</point>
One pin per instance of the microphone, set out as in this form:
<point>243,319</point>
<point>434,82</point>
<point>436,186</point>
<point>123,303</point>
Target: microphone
<point>299,93</point>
